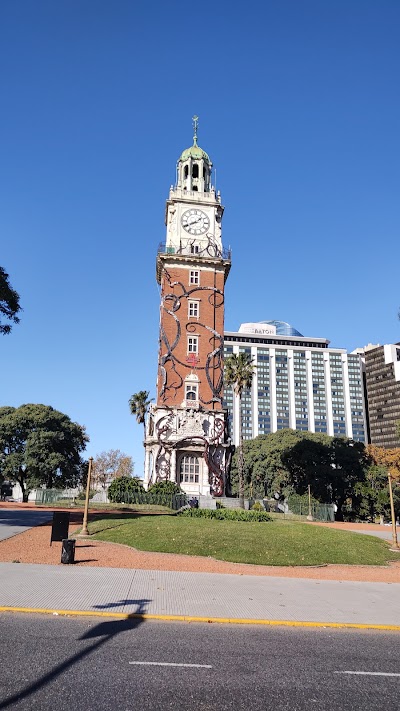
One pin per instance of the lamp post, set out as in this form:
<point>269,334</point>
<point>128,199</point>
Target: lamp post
<point>395,543</point>
<point>84,531</point>
<point>310,516</point>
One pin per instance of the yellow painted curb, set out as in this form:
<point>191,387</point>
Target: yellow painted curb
<point>188,618</point>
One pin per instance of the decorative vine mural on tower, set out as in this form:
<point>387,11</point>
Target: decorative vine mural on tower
<point>171,379</point>
<point>215,454</point>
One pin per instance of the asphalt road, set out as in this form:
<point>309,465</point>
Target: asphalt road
<point>13,522</point>
<point>94,665</point>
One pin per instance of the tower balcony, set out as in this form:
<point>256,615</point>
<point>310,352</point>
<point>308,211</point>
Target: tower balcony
<point>179,193</point>
<point>209,251</point>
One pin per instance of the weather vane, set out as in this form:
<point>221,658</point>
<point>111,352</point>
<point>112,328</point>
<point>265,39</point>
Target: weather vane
<point>195,124</point>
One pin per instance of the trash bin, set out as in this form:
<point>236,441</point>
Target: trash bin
<point>68,551</point>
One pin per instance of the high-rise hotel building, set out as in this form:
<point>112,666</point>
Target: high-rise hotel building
<point>299,382</point>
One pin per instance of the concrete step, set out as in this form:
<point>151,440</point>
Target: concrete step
<point>207,502</point>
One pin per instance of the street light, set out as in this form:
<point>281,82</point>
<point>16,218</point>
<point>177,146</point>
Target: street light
<point>84,531</point>
<point>310,516</point>
<point>395,543</point>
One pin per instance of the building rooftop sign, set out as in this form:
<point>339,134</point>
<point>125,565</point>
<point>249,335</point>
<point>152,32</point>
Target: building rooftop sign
<point>260,329</point>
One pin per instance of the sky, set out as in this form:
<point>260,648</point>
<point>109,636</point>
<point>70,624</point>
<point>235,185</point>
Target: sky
<point>299,110</point>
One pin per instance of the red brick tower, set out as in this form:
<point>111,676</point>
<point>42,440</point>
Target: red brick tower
<point>186,434</point>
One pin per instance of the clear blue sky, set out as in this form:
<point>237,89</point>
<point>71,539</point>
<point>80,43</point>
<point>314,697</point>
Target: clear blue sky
<point>300,112</point>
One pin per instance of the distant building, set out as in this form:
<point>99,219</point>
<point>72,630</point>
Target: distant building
<point>299,382</point>
<point>382,376</point>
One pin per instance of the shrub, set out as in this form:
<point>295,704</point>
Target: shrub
<point>257,506</point>
<point>82,494</point>
<point>121,487</point>
<point>227,514</point>
<point>166,487</point>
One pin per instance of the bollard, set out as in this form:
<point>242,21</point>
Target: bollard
<point>68,551</point>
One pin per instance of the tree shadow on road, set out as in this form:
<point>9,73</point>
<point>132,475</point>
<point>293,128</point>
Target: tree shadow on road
<point>103,632</point>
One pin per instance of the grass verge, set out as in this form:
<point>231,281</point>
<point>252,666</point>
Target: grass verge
<point>272,543</point>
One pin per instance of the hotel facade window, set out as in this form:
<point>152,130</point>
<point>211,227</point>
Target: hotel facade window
<point>299,383</point>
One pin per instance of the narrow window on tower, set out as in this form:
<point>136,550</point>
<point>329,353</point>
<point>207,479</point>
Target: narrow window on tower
<point>194,277</point>
<point>194,249</point>
<point>193,309</point>
<point>193,344</point>
<point>195,171</point>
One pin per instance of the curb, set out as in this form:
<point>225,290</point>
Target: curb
<point>189,618</point>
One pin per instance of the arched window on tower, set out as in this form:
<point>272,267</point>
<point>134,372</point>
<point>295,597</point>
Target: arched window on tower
<point>195,170</point>
<point>186,171</point>
<point>195,188</point>
<point>191,391</point>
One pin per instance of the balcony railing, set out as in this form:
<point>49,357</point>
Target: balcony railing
<point>210,251</point>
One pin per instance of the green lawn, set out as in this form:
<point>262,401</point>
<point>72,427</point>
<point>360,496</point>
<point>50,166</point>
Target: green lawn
<point>272,543</point>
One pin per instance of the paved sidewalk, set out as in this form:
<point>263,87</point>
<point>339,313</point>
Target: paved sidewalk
<point>14,521</point>
<point>198,595</point>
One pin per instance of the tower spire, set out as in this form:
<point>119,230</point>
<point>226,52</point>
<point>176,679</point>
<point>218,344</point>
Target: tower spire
<point>195,124</point>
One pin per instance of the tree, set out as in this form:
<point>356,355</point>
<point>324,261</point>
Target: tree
<point>40,446</point>
<point>239,371</point>
<point>9,303</point>
<point>287,461</point>
<point>373,494</point>
<point>139,405</point>
<point>349,464</point>
<point>265,471</point>
<point>110,465</point>
<point>390,459</point>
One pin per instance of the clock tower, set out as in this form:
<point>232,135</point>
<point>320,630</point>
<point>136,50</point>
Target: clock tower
<point>186,434</point>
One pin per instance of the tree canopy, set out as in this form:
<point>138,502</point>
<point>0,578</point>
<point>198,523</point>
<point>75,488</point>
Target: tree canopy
<point>238,372</point>
<point>139,404</point>
<point>111,465</point>
<point>9,303</point>
<point>40,446</point>
<point>287,461</point>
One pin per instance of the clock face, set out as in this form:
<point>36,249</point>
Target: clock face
<point>195,222</point>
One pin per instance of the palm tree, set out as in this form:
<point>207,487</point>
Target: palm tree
<point>139,405</point>
<point>239,371</point>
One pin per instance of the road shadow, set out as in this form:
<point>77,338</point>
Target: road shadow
<point>102,633</point>
<point>141,609</point>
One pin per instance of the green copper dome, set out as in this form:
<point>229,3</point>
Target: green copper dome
<point>194,152</point>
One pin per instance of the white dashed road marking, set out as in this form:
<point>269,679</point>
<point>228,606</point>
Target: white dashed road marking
<point>172,664</point>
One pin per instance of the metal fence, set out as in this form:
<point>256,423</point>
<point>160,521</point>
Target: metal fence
<point>172,501</point>
<point>64,497</point>
<point>320,512</point>
<point>68,497</point>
